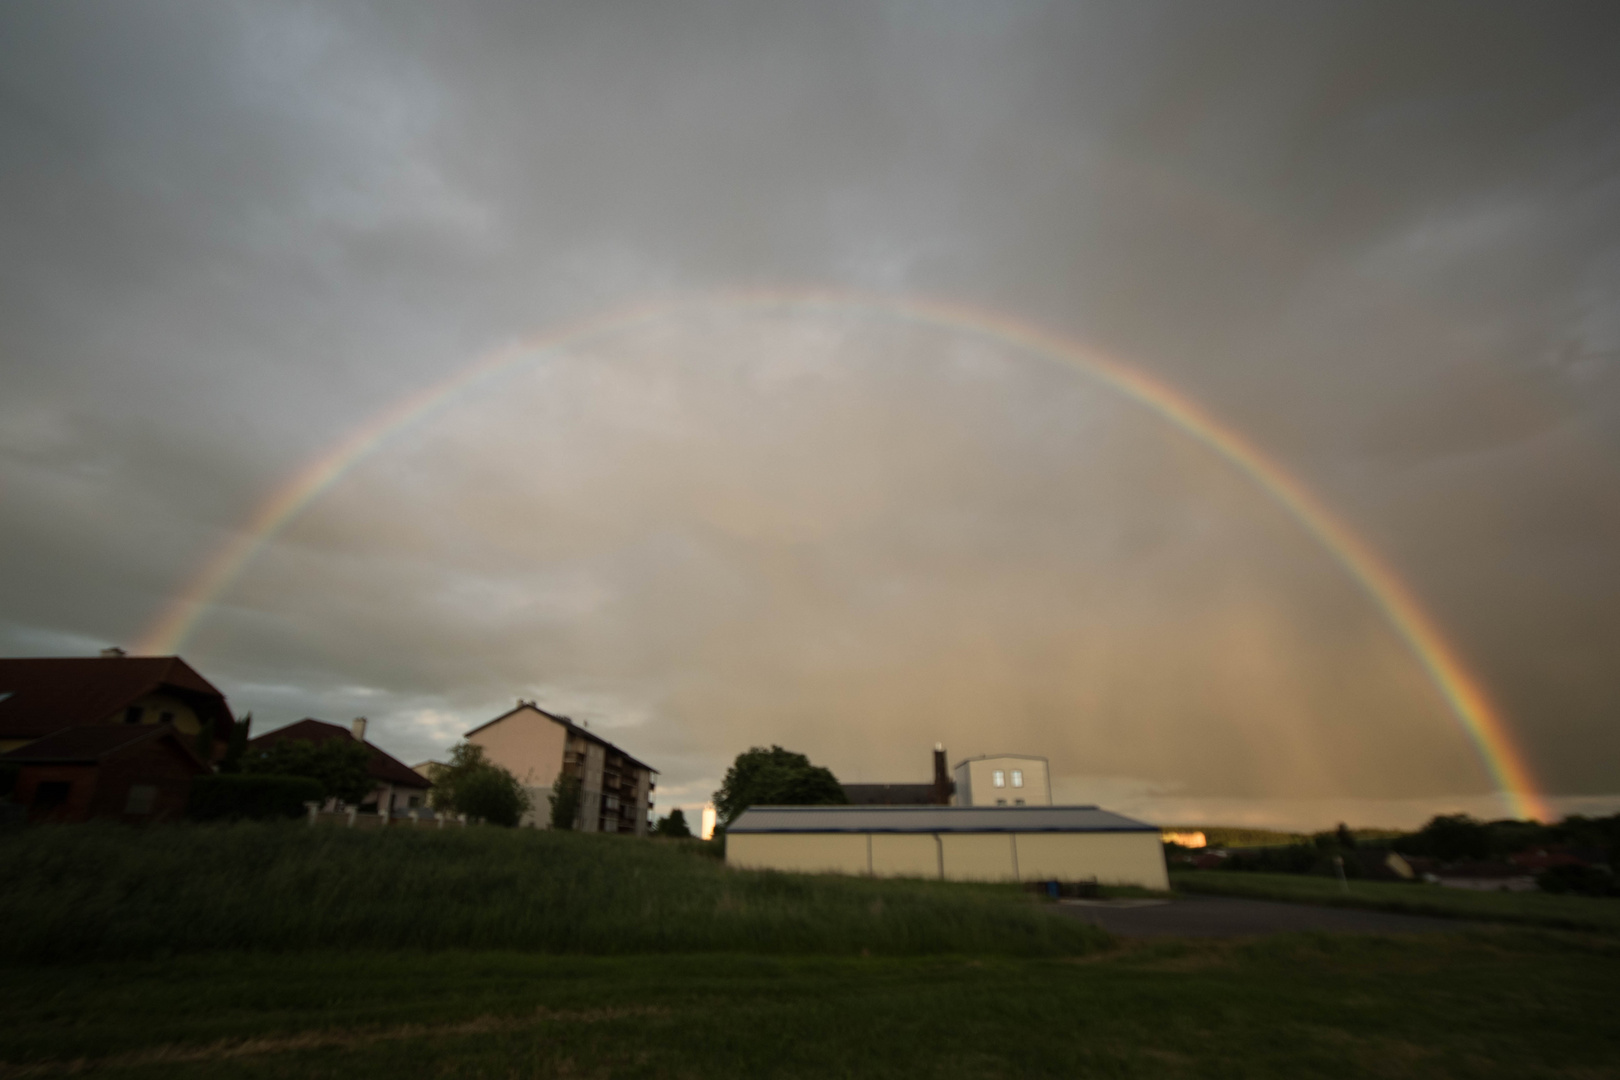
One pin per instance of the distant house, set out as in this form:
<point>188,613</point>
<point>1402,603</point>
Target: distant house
<point>43,696</point>
<point>397,788</point>
<point>1003,780</point>
<point>937,793</point>
<point>538,747</point>
<point>125,772</point>
<point>1486,877</point>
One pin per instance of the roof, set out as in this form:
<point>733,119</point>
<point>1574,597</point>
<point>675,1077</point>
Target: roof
<point>96,743</point>
<point>1001,757</point>
<point>384,767</point>
<point>573,729</point>
<point>39,695</point>
<point>932,819</point>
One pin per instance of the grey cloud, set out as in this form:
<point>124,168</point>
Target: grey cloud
<point>1379,240</point>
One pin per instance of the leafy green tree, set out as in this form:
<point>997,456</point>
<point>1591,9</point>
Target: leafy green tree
<point>342,766</point>
<point>236,746</point>
<point>471,784</point>
<point>674,825</point>
<point>775,777</point>
<point>564,801</point>
<point>1449,838</point>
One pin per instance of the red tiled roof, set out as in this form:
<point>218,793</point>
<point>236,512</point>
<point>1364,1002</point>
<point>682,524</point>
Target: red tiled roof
<point>384,768</point>
<point>96,743</point>
<point>42,695</point>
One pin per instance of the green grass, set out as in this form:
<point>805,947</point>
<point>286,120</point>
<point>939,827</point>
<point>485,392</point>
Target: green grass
<point>108,891</point>
<point>1527,908</point>
<point>1484,1004</point>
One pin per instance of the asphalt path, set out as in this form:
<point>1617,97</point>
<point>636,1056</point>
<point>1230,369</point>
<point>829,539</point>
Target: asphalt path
<point>1224,916</point>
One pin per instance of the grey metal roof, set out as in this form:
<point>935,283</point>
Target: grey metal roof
<point>932,819</point>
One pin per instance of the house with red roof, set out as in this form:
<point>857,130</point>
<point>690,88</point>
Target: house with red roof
<point>108,736</point>
<point>398,787</point>
<point>42,696</point>
<point>125,772</point>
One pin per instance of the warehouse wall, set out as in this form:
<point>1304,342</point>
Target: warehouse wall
<point>1134,858</point>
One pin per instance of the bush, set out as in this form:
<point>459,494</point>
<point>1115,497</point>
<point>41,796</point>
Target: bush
<point>232,796</point>
<point>564,801</point>
<point>1581,880</point>
<point>8,778</point>
<point>471,784</point>
<point>341,766</point>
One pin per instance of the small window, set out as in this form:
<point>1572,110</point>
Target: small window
<point>141,798</point>
<point>1018,802</point>
<point>168,718</point>
<point>1001,802</point>
<point>612,802</point>
<point>1018,778</point>
<point>998,778</point>
<point>132,715</point>
<point>49,794</point>
<point>415,801</point>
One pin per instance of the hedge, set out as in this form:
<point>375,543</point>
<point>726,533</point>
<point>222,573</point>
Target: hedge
<point>247,795</point>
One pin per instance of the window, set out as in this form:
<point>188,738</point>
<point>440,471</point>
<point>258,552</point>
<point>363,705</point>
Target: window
<point>1018,778</point>
<point>141,798</point>
<point>132,715</point>
<point>1018,802</point>
<point>168,718</point>
<point>612,802</point>
<point>415,801</point>
<point>998,778</point>
<point>49,794</point>
<point>1001,802</point>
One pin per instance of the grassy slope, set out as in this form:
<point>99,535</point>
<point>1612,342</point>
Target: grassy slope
<point>111,891</point>
<point>1510,1003</point>
<point>1536,909</point>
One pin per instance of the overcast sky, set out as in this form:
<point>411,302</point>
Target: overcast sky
<point>1382,240</point>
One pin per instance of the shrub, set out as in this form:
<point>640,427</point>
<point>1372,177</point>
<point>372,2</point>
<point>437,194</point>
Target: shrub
<point>229,796</point>
<point>1582,880</point>
<point>564,801</point>
<point>8,778</point>
<point>341,766</point>
<point>473,785</point>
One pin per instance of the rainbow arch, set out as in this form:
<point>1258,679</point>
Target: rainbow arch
<point>1463,693</point>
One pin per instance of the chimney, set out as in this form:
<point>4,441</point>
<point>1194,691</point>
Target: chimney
<point>943,787</point>
<point>358,728</point>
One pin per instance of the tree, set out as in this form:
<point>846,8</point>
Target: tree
<point>342,766</point>
<point>564,801</point>
<point>236,746</point>
<point>674,825</point>
<point>471,784</point>
<point>1448,837</point>
<point>775,777</point>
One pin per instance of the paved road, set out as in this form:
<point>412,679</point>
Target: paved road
<point>1222,916</point>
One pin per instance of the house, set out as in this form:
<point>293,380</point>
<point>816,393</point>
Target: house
<point>43,696</point>
<point>398,787</point>
<point>125,772</point>
<point>1487,877</point>
<point>951,843</point>
<point>538,747</point>
<point>1003,780</point>
<point>937,793</point>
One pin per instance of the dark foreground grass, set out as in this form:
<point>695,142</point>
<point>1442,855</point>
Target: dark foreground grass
<point>1525,908</point>
<point>112,891</point>
<point>1503,1003</point>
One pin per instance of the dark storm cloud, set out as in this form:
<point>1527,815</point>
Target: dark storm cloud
<point>1381,240</point>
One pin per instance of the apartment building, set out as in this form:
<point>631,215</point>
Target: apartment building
<point>538,747</point>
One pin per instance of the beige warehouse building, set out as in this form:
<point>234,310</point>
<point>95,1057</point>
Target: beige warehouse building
<point>951,843</point>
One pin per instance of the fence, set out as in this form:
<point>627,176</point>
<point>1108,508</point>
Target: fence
<point>351,817</point>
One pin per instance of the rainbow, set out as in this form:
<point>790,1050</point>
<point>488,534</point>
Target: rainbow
<point>1464,695</point>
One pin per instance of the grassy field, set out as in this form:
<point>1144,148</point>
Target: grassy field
<point>110,891</point>
<point>1507,1003</point>
<point>1529,908</point>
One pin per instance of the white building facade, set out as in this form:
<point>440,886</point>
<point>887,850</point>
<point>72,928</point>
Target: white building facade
<point>1003,780</point>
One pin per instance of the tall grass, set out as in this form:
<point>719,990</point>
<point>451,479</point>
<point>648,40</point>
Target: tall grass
<point>110,891</point>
